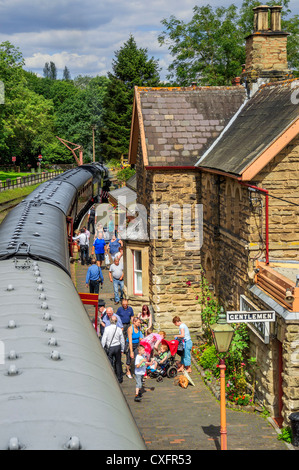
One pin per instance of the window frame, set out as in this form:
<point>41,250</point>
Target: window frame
<point>135,271</point>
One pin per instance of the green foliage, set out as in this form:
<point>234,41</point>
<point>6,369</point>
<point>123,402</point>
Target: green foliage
<point>125,174</point>
<point>80,112</point>
<point>131,67</point>
<point>209,358</point>
<point>26,118</point>
<point>235,358</point>
<point>285,435</point>
<point>210,307</point>
<point>210,48</point>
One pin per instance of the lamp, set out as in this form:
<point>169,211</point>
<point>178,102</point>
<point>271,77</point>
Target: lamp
<point>222,334</point>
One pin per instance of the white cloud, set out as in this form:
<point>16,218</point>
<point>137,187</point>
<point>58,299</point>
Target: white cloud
<point>84,36</point>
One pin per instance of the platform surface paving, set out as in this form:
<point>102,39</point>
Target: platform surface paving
<point>172,418</point>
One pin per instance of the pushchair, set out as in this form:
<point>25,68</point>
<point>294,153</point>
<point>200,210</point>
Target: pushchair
<point>168,368</point>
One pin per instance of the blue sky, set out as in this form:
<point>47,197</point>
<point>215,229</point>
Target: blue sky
<point>85,35</point>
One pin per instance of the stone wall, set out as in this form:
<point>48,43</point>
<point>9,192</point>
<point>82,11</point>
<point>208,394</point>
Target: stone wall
<point>281,178</point>
<point>277,375</point>
<point>266,52</point>
<point>226,236</point>
<point>171,263</point>
<point>234,236</point>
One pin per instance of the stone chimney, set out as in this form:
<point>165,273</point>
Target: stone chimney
<point>266,48</point>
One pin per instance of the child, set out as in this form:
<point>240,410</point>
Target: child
<point>140,368</point>
<point>161,359</point>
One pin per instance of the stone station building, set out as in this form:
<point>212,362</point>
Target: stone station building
<point>229,155</point>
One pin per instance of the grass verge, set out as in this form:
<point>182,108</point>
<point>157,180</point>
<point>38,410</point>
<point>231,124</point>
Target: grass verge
<point>16,193</point>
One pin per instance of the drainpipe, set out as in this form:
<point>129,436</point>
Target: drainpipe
<point>266,193</point>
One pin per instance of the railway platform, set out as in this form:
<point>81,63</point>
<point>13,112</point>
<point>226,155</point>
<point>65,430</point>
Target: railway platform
<point>174,419</point>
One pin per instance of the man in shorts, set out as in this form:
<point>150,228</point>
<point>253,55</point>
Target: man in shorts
<point>99,249</point>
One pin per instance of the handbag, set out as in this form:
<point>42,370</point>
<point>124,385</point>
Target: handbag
<point>181,347</point>
<point>106,348</point>
<point>107,259</point>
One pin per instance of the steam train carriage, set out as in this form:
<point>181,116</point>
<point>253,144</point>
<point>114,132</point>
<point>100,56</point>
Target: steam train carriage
<point>58,390</point>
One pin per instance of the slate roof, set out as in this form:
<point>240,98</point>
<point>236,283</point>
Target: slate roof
<point>132,183</point>
<point>264,118</point>
<point>124,192</point>
<point>180,124</point>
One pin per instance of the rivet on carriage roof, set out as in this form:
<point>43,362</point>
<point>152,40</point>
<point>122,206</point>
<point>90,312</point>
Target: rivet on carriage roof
<point>73,443</point>
<point>55,355</point>
<point>14,444</point>
<point>12,370</point>
<point>12,355</point>
<point>52,342</point>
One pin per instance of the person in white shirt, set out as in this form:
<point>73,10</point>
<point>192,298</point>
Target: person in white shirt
<point>113,339</point>
<point>87,233</point>
<point>84,246</point>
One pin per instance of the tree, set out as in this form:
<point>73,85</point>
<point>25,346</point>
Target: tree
<point>80,112</point>
<point>131,67</point>
<point>46,70</point>
<point>53,71</point>
<point>66,74</point>
<point>26,119</point>
<point>210,48</point>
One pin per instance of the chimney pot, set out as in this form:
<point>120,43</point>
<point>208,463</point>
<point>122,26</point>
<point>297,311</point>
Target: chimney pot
<point>276,17</point>
<point>261,20</point>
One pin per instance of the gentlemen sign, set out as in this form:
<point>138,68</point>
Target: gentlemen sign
<point>246,317</point>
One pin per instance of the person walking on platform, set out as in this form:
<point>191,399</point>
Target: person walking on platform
<point>91,218</point>
<point>114,245</point>
<point>116,275</point>
<point>111,227</point>
<point>99,249</point>
<point>102,312</point>
<point>84,247</point>
<point>106,318</point>
<point>125,313</point>
<point>114,341</point>
<point>94,277</point>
